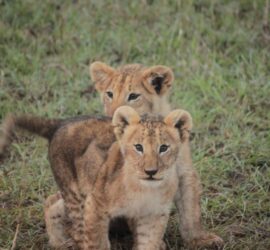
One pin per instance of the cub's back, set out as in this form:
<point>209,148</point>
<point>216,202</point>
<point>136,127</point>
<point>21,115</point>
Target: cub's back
<point>71,142</point>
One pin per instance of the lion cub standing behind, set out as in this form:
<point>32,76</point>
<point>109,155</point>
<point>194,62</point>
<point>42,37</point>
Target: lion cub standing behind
<point>138,180</point>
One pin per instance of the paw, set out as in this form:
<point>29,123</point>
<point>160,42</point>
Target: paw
<point>206,240</point>
<point>53,198</point>
<point>54,207</point>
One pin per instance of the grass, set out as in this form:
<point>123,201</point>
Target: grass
<point>219,51</point>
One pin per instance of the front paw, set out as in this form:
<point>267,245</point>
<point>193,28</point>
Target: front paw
<point>206,240</point>
<point>52,199</point>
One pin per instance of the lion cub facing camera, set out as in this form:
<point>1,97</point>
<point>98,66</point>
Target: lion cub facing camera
<point>138,180</point>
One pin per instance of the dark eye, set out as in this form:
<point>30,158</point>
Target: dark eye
<point>109,94</point>
<point>163,148</point>
<point>139,147</point>
<point>133,96</point>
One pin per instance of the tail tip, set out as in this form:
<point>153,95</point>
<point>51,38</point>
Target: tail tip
<point>6,131</point>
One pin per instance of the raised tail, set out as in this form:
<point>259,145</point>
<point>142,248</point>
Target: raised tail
<point>41,126</point>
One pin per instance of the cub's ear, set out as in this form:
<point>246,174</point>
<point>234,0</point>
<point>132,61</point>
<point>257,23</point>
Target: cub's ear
<point>123,117</point>
<point>158,79</point>
<point>182,121</point>
<point>99,72</point>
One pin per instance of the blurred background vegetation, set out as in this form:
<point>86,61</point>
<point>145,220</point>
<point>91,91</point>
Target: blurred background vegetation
<point>220,54</point>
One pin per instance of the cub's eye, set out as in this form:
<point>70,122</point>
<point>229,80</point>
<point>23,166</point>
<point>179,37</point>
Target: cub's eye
<point>133,96</point>
<point>163,148</point>
<point>139,147</point>
<point>109,94</point>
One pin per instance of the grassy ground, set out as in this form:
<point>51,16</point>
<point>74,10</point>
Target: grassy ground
<point>220,53</point>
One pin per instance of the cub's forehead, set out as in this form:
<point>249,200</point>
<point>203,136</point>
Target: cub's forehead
<point>128,76</point>
<point>151,128</point>
<point>152,124</point>
<point>130,69</point>
<point>151,118</point>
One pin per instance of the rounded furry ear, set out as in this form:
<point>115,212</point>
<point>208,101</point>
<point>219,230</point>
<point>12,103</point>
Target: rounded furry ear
<point>99,72</point>
<point>181,120</point>
<point>158,79</point>
<point>123,117</point>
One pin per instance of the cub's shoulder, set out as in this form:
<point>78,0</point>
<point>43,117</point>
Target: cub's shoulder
<point>75,134</point>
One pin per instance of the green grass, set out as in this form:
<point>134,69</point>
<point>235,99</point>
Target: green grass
<point>220,54</point>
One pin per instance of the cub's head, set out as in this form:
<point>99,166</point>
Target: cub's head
<point>144,89</point>
<point>150,144</point>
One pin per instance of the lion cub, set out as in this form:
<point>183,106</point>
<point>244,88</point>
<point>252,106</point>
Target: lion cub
<point>145,89</point>
<point>139,179</point>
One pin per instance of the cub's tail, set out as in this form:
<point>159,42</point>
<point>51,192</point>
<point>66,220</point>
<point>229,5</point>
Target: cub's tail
<point>41,126</point>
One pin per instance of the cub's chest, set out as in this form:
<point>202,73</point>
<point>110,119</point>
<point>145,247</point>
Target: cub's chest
<point>143,203</point>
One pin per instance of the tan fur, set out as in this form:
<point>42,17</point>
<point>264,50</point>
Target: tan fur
<point>123,187</point>
<point>73,140</point>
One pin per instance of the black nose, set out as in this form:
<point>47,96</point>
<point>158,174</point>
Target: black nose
<point>150,172</point>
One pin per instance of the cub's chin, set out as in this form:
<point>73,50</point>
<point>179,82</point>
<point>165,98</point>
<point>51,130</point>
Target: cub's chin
<point>151,182</point>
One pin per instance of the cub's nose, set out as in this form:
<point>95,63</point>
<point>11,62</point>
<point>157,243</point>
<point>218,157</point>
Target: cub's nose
<point>150,172</point>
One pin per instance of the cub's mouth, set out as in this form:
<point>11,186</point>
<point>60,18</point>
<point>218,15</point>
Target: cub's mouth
<point>151,179</point>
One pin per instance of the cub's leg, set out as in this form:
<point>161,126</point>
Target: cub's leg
<point>74,205</point>
<point>187,201</point>
<point>149,232</point>
<point>73,201</point>
<point>132,226</point>
<point>96,224</point>
<point>55,220</point>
